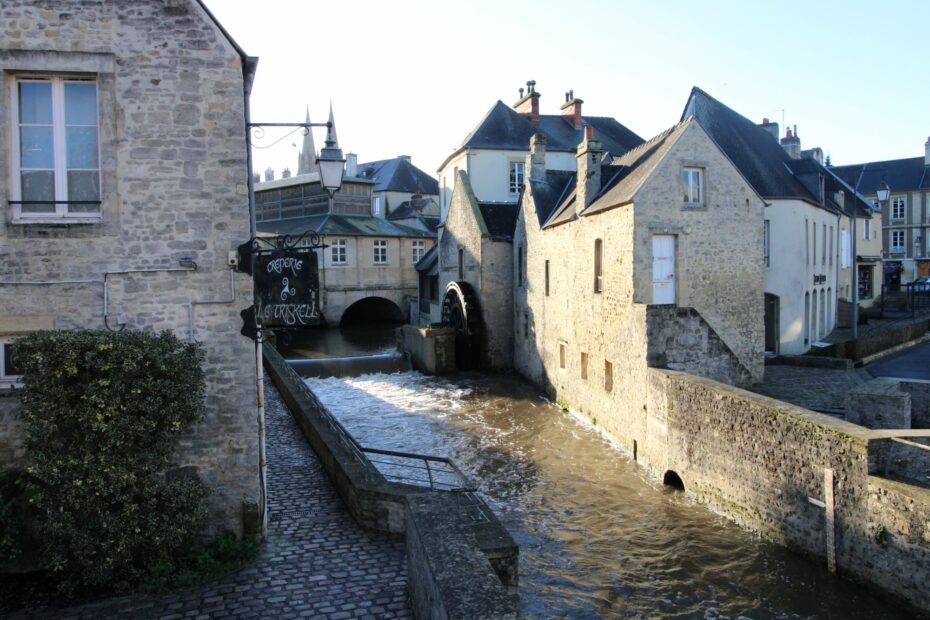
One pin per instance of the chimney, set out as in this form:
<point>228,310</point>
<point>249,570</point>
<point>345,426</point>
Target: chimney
<point>269,174</point>
<point>792,143</point>
<point>286,174</point>
<point>256,178</point>
<point>927,152</point>
<point>839,197</point>
<point>351,165</point>
<point>406,158</point>
<point>588,157</point>
<point>528,104</point>
<point>770,127</point>
<point>536,160</point>
<point>571,109</point>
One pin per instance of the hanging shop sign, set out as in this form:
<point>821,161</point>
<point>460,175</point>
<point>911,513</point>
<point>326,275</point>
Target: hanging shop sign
<point>287,288</point>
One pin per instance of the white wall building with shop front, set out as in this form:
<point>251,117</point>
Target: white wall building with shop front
<point>801,272</point>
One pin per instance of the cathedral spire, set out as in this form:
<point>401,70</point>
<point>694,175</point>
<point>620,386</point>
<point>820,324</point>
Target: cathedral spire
<point>306,160</point>
<point>332,126</point>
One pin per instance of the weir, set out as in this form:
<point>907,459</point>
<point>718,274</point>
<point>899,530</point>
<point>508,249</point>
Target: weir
<point>322,367</point>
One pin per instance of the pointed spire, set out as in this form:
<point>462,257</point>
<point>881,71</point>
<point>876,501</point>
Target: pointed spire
<point>332,126</point>
<point>306,160</point>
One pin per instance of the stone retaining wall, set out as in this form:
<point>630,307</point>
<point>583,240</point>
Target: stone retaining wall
<point>876,343</point>
<point>797,477</point>
<point>879,403</point>
<point>432,350</point>
<point>479,589</point>
<point>920,401</point>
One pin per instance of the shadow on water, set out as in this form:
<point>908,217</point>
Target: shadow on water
<point>597,537</point>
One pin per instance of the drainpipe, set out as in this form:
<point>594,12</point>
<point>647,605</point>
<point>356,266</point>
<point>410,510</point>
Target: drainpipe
<point>259,369</point>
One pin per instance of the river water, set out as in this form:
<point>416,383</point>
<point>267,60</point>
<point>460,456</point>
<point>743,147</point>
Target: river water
<point>598,537</point>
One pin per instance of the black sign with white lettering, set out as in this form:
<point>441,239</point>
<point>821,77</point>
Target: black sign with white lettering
<point>287,289</point>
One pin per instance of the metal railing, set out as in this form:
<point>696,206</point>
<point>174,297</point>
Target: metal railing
<point>905,299</point>
<point>434,472</point>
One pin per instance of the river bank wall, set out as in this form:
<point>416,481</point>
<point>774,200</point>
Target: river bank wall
<point>857,499</point>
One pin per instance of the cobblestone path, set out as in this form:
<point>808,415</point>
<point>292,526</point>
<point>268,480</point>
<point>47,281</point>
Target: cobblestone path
<point>317,564</point>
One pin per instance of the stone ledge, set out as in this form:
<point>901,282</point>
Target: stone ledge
<point>380,505</point>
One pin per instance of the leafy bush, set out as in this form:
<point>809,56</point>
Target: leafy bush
<point>103,413</point>
<point>204,561</point>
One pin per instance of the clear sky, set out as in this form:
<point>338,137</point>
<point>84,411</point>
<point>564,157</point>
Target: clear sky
<point>415,77</point>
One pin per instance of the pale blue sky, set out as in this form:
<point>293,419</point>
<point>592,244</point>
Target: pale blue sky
<point>409,77</point>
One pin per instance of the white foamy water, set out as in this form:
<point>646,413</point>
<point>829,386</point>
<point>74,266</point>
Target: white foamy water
<point>597,539</point>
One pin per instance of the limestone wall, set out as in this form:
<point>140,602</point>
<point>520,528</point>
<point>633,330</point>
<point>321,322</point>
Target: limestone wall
<point>680,339</point>
<point>173,184</point>
<point>799,478</point>
<point>12,435</point>
<point>920,401</point>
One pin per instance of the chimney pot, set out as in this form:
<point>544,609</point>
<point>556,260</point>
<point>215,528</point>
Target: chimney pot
<point>588,132</point>
<point>521,92</point>
<point>765,121</point>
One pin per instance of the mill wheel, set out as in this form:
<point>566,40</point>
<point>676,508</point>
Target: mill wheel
<point>461,311</point>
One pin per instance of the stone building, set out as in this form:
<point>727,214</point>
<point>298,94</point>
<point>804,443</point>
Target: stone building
<point>122,199</point>
<point>904,231</point>
<point>367,269</point>
<point>807,246</point>
<point>493,153</point>
<point>475,254</point>
<point>653,260</point>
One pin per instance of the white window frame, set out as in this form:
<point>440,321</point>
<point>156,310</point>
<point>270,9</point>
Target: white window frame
<point>898,203</point>
<point>380,252</point>
<point>689,174</point>
<point>376,206</point>
<point>62,212</point>
<point>7,380</point>
<point>339,252</point>
<point>417,250</point>
<point>517,176</point>
<point>898,249</point>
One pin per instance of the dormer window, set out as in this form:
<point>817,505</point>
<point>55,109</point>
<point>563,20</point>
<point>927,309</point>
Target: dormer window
<point>516,176</point>
<point>693,184</point>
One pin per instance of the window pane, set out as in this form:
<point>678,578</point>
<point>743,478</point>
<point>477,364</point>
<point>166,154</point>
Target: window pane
<point>10,369</point>
<point>35,103</point>
<point>38,185</point>
<point>80,103</point>
<point>686,179</point>
<point>83,186</point>
<point>696,189</point>
<point>81,147</point>
<point>36,148</point>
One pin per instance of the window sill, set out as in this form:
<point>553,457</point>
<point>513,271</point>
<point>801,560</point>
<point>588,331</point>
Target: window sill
<point>693,207</point>
<point>10,389</point>
<point>55,221</point>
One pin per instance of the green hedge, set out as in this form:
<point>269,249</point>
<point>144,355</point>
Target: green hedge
<point>103,413</point>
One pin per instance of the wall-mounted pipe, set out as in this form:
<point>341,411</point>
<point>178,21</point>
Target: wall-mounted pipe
<point>190,306</point>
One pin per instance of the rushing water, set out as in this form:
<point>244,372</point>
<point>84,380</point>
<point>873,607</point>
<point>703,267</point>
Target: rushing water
<point>597,537</point>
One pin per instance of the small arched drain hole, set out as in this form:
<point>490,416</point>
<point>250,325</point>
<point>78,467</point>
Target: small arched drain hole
<point>673,480</point>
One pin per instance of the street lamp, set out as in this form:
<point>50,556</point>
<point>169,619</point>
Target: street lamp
<point>332,165</point>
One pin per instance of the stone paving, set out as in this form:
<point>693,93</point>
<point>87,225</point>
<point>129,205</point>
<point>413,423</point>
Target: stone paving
<point>820,389</point>
<point>318,563</point>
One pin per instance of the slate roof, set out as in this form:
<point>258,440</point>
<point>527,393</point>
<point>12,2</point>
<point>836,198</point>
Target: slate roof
<point>345,225</point>
<point>500,218</point>
<point>398,175</point>
<point>504,128</point>
<point>626,174</point>
<point>429,263</point>
<point>406,212</point>
<point>902,175</point>
<point>762,160</point>
<point>550,192</point>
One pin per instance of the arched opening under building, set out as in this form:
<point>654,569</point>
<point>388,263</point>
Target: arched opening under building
<point>673,480</point>
<point>372,310</point>
<point>460,310</point>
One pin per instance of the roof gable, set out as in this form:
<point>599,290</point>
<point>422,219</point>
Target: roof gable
<point>758,157</point>
<point>503,128</point>
<point>398,175</point>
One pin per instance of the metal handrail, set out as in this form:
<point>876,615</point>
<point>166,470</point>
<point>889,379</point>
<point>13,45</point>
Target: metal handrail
<point>361,451</point>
